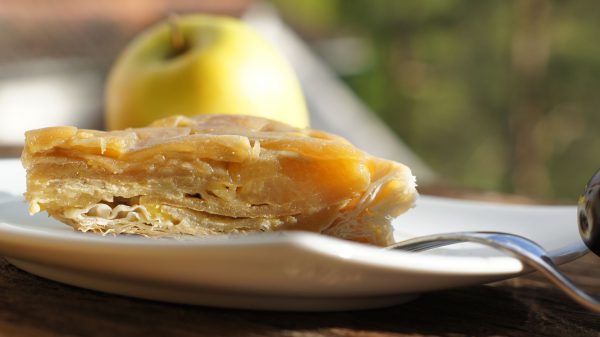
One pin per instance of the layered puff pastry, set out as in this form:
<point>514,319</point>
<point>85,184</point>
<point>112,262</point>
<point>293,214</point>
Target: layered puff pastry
<point>214,174</point>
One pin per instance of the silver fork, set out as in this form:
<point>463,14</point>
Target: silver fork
<point>527,251</point>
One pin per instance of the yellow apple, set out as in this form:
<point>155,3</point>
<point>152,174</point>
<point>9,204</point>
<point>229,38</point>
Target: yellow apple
<point>201,64</point>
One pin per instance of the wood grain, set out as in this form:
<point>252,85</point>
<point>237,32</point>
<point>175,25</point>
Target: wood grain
<point>524,306</point>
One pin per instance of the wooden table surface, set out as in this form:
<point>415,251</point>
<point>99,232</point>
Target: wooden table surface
<point>523,306</point>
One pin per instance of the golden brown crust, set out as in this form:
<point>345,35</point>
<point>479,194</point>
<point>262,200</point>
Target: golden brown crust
<point>214,174</point>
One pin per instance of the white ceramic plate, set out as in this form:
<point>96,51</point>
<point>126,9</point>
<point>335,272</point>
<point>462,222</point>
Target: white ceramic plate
<point>280,271</point>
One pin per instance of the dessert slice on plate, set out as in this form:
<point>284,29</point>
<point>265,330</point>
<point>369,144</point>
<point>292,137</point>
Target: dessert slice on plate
<point>214,174</point>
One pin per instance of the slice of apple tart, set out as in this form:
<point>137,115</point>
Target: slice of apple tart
<point>214,174</point>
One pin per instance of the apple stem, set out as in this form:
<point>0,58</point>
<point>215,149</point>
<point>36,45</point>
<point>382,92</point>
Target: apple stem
<point>177,39</point>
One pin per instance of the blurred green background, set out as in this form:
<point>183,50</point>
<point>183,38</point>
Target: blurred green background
<point>493,95</point>
<point>497,95</point>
